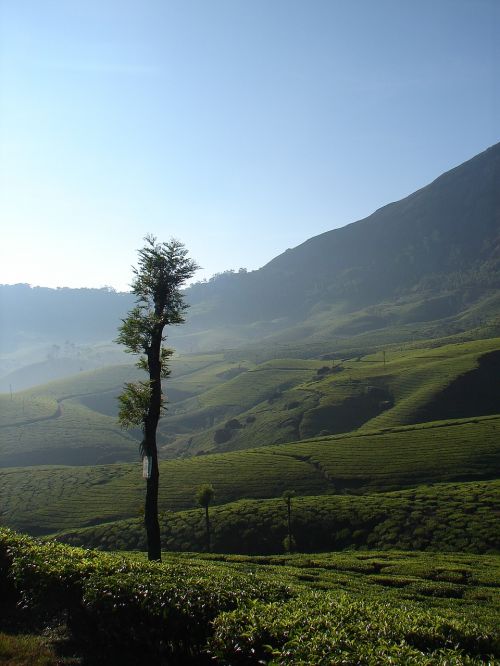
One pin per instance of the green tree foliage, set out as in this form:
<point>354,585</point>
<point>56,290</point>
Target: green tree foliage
<point>163,268</point>
<point>204,497</point>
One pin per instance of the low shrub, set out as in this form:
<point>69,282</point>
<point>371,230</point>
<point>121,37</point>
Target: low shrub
<point>282,610</point>
<point>233,424</point>
<point>222,435</point>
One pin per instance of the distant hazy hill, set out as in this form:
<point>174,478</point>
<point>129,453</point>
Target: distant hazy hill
<point>31,315</point>
<point>50,333</point>
<point>431,257</point>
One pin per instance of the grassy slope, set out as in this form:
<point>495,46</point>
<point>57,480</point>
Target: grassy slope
<point>276,401</point>
<point>285,399</point>
<point>52,498</point>
<point>406,455</point>
<point>416,316</point>
<point>74,434</point>
<point>73,420</point>
<point>21,650</point>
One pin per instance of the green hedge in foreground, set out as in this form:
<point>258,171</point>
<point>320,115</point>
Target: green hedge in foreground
<point>131,610</point>
<point>198,611</point>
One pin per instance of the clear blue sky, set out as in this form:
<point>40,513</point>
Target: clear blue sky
<point>240,127</point>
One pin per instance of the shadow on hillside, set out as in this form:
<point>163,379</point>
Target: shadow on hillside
<point>475,393</point>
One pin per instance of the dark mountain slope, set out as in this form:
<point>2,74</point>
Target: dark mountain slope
<point>446,233</point>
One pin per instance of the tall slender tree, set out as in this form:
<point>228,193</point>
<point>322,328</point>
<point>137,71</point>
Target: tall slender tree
<point>162,269</point>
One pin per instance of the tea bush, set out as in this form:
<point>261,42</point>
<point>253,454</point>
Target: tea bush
<point>124,608</point>
<point>368,608</point>
<point>333,629</point>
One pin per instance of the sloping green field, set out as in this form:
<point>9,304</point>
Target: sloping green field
<point>73,434</point>
<point>218,404</point>
<point>287,400</point>
<point>52,498</point>
<point>73,420</point>
<point>406,455</point>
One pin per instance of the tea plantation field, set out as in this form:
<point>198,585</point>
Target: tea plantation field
<point>348,608</point>
<point>225,402</point>
<point>394,518</point>
<point>73,420</point>
<point>43,500</point>
<point>442,517</point>
<point>402,386</point>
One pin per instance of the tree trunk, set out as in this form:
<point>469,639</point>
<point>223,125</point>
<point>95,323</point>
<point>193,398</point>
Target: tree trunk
<point>151,513</point>
<point>207,524</point>
<point>289,511</point>
<point>151,507</point>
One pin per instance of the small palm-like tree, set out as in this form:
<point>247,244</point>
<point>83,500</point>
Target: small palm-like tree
<point>204,497</point>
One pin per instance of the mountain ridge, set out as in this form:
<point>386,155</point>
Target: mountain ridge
<point>389,251</point>
<point>433,256</point>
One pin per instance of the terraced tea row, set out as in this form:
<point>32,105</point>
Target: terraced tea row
<point>78,434</point>
<point>381,390</point>
<point>218,404</point>
<point>73,420</point>
<point>406,456</point>
<point>93,495</point>
<point>378,461</point>
<point>444,517</point>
